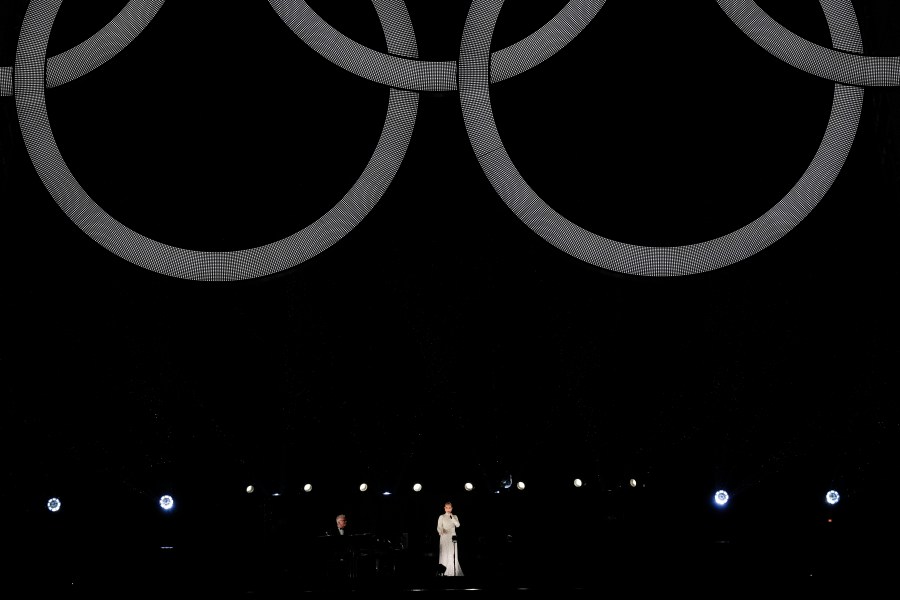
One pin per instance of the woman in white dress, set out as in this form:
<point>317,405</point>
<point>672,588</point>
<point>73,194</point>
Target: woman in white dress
<point>449,555</point>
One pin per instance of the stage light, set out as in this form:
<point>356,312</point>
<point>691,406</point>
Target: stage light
<point>166,502</point>
<point>721,498</point>
<point>578,483</point>
<point>832,497</point>
<point>307,487</point>
<point>54,504</point>
<point>632,482</point>
<point>521,485</point>
<point>363,487</point>
<point>469,487</point>
<point>417,487</point>
<point>250,489</point>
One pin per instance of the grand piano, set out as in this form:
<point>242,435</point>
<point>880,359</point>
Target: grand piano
<point>357,555</point>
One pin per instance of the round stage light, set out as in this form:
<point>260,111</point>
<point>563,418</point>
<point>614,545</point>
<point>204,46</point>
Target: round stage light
<point>721,497</point>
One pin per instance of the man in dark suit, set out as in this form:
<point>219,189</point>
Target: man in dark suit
<point>342,526</point>
<point>343,550</point>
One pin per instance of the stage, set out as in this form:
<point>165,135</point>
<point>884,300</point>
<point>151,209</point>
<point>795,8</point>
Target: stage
<point>602,565</point>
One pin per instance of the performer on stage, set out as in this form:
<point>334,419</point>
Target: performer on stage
<point>448,556</point>
<point>342,527</point>
<point>343,550</point>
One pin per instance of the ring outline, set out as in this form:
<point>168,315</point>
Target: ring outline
<point>166,259</point>
<point>632,259</point>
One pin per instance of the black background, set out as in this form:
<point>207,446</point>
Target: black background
<point>442,341</point>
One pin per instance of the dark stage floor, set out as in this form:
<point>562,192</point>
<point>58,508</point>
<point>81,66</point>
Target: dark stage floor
<point>631,568</point>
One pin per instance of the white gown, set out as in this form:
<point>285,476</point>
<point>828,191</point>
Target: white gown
<point>449,553</point>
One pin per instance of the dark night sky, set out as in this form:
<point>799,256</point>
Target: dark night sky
<point>442,339</point>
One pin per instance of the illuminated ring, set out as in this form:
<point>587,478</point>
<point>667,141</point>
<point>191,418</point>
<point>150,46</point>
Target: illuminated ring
<point>96,50</point>
<point>834,65</point>
<point>474,95</point>
<point>432,76</point>
<point>179,262</point>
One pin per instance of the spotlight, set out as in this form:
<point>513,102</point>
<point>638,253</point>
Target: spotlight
<point>521,485</point>
<point>721,498</point>
<point>250,489</point>
<point>417,487</point>
<point>832,497</point>
<point>363,487</point>
<point>578,483</point>
<point>632,482</point>
<point>307,487</point>
<point>166,502</point>
<point>469,487</point>
<point>54,504</point>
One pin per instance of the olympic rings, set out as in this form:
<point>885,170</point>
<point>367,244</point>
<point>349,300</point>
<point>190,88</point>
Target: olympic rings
<point>471,75</point>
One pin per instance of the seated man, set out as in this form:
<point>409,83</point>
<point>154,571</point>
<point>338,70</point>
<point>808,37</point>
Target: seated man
<point>341,549</point>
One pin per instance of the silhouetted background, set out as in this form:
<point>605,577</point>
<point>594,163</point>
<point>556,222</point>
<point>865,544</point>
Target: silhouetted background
<point>442,341</point>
